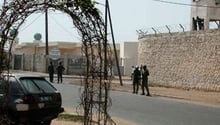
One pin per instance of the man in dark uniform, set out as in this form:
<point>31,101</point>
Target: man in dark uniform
<point>60,70</point>
<point>136,80</point>
<point>144,85</point>
<point>51,71</point>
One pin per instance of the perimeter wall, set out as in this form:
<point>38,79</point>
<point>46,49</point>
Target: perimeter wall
<point>189,60</point>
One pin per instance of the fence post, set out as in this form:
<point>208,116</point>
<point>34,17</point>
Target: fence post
<point>181,26</point>
<point>168,29</point>
<point>155,31</point>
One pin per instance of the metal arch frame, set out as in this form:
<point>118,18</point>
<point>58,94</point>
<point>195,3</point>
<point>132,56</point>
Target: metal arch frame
<point>93,30</point>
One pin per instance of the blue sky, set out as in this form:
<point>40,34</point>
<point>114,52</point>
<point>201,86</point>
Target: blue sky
<point>127,16</point>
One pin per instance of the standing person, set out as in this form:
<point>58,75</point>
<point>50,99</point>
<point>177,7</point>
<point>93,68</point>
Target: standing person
<point>51,71</point>
<point>132,72</point>
<point>136,80</point>
<point>141,70</point>
<point>60,70</point>
<point>144,85</point>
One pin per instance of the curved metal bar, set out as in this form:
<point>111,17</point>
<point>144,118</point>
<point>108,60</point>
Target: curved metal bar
<point>91,28</point>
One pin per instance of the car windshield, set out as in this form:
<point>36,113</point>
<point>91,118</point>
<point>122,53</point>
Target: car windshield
<point>37,85</point>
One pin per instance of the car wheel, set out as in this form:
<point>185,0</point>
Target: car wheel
<point>4,119</point>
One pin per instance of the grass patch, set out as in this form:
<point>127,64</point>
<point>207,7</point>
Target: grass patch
<point>71,117</point>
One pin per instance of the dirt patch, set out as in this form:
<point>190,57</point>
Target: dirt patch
<point>118,121</point>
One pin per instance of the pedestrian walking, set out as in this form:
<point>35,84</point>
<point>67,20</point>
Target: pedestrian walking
<point>136,80</point>
<point>51,71</point>
<point>144,85</point>
<point>60,70</point>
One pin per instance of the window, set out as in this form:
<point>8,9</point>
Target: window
<point>37,85</point>
<point>14,86</point>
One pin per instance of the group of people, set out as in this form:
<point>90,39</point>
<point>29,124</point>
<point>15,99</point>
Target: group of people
<point>139,76</point>
<point>60,68</point>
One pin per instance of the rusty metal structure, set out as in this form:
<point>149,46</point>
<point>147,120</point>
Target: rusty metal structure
<point>92,28</point>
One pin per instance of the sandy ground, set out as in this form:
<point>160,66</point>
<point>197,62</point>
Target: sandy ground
<point>118,121</point>
<point>191,96</point>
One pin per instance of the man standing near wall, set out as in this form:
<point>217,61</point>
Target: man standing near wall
<point>144,85</point>
<point>60,70</point>
<point>136,79</point>
<point>132,72</point>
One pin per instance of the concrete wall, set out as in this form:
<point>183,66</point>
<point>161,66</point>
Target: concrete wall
<point>38,63</point>
<point>186,60</point>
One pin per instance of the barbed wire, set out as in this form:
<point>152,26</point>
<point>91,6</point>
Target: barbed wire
<point>176,28</point>
<point>170,29</point>
<point>163,29</point>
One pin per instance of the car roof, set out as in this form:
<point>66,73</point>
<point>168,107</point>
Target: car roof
<point>20,75</point>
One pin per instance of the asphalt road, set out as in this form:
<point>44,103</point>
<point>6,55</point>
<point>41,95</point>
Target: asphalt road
<point>145,110</point>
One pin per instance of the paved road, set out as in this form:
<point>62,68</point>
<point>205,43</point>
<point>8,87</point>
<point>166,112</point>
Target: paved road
<point>149,110</point>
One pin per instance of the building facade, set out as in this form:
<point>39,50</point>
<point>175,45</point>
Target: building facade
<point>128,56</point>
<point>203,13</point>
<point>31,56</point>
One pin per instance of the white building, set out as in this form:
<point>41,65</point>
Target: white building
<point>206,10</point>
<point>128,56</point>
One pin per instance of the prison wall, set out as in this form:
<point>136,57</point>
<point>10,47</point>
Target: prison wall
<point>189,60</point>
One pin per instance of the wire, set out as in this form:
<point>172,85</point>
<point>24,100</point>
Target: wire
<point>185,4</point>
<point>63,27</point>
<point>31,23</point>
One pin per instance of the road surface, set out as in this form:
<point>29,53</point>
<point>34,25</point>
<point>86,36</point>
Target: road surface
<point>145,110</point>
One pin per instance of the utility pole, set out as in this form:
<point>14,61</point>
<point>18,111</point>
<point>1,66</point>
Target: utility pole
<point>113,39</point>
<point>46,37</point>
<point>105,66</point>
<point>46,31</point>
<point>108,15</point>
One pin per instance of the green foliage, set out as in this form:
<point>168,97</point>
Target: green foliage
<point>71,117</point>
<point>13,32</point>
<point>86,5</point>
